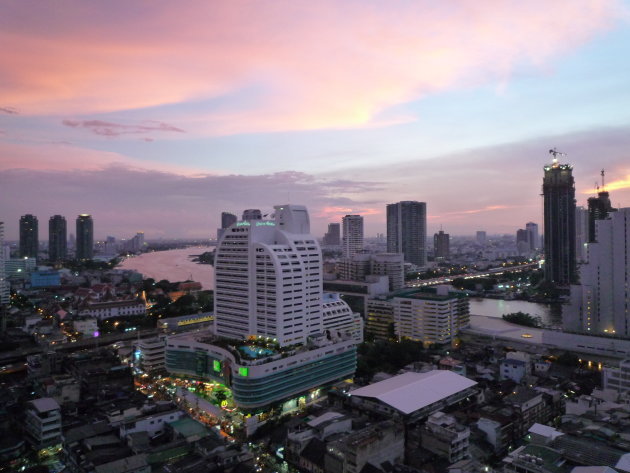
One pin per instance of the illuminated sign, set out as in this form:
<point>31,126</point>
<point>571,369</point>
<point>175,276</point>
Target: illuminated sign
<point>243,370</point>
<point>243,224</point>
<point>266,223</point>
<point>216,364</point>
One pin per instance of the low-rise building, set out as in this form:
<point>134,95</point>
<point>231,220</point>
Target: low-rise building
<point>617,377</point>
<point>153,424</point>
<point>151,354</point>
<point>43,423</point>
<point>414,396</point>
<point>444,436</point>
<point>375,444</point>
<point>116,308</point>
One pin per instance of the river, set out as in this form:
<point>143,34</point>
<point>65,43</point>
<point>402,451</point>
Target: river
<point>177,265</point>
<point>550,314</point>
<point>173,265</point>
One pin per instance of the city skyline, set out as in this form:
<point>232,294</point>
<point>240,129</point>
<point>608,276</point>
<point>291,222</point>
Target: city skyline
<point>340,107</point>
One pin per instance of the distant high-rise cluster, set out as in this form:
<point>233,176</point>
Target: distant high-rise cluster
<point>29,236</point>
<point>407,231</point>
<point>352,235</point>
<point>85,237</point>
<point>58,241</point>
<point>559,218</point>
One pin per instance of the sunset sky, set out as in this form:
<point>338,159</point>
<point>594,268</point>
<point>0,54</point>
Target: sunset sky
<point>158,115</point>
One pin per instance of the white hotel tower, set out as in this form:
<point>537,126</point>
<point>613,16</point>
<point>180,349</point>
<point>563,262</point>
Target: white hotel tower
<point>269,280</point>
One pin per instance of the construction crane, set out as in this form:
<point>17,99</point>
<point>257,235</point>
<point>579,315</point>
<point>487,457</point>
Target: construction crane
<point>555,154</point>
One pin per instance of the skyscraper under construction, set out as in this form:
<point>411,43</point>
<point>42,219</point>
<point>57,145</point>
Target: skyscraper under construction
<point>559,215</point>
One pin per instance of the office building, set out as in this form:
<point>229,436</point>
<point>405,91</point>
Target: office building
<point>441,245</point>
<point>481,237</point>
<point>57,238</point>
<point>333,235</point>
<point>85,237</point>
<point>599,303</point>
<point>407,231</point>
<point>559,223</point>
<point>523,245</point>
<point>534,239</point>
<point>581,234</point>
<point>352,235</point>
<point>4,283</point>
<point>29,236</point>
<point>428,315</point>
<point>286,337</point>
<point>227,219</point>
<point>362,265</point>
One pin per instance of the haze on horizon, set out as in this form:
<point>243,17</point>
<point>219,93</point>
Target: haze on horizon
<point>155,117</point>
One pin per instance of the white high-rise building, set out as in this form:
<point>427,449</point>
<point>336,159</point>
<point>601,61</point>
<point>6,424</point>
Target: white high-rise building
<point>600,303</point>
<point>4,283</point>
<point>532,235</point>
<point>581,233</point>
<point>352,235</point>
<point>269,279</point>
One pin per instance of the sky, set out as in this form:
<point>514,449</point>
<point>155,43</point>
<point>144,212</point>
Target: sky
<point>156,116</point>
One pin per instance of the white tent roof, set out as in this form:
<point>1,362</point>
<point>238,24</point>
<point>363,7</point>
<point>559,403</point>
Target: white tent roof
<point>409,392</point>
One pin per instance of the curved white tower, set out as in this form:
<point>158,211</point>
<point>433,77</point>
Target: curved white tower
<point>268,278</point>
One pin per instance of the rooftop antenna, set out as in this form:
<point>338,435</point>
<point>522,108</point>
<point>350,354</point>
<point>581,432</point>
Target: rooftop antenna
<point>603,181</point>
<point>555,154</point>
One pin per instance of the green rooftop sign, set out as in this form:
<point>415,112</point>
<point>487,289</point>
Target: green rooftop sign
<point>243,370</point>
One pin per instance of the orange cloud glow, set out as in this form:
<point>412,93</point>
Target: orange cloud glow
<point>336,213</point>
<point>612,186</point>
<point>300,65</point>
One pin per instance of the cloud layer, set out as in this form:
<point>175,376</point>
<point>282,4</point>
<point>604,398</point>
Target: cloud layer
<point>495,189</point>
<point>247,66</point>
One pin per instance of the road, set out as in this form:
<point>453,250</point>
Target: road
<point>490,272</point>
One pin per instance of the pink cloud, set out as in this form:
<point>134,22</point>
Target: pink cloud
<point>8,110</point>
<point>100,127</point>
<point>63,155</point>
<point>310,65</point>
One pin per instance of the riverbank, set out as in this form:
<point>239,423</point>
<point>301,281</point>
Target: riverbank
<point>173,265</point>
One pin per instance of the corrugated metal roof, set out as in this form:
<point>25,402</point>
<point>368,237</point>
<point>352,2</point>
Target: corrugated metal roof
<point>410,392</point>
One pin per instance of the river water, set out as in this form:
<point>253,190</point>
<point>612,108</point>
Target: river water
<point>173,265</point>
<point>177,265</point>
<point>550,314</point>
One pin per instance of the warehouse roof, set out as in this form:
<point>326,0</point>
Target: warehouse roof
<point>410,392</point>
